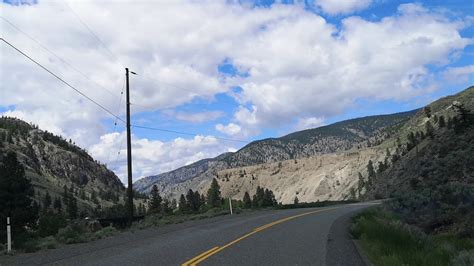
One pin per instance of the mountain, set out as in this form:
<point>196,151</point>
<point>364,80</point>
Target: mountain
<point>342,136</point>
<point>431,181</point>
<point>446,156</point>
<point>52,164</point>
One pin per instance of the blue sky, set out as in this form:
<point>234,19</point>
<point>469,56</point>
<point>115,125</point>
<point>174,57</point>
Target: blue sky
<point>243,70</point>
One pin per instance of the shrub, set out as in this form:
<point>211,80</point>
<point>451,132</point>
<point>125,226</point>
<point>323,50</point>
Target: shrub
<point>105,232</point>
<point>50,223</point>
<point>73,233</point>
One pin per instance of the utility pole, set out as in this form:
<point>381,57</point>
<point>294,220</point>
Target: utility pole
<point>129,151</point>
<point>230,206</point>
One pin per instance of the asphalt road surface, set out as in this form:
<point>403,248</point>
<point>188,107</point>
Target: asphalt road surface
<point>312,236</point>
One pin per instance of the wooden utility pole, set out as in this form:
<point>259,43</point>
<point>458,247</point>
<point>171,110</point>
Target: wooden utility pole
<point>129,152</point>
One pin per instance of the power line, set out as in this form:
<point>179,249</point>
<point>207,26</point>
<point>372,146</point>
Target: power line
<point>114,57</point>
<point>55,55</point>
<point>186,133</point>
<point>101,106</point>
<point>62,80</point>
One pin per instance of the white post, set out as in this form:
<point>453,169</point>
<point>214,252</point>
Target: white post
<point>9,236</point>
<point>230,206</point>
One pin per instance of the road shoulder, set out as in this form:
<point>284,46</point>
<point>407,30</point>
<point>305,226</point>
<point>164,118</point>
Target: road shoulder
<point>341,249</point>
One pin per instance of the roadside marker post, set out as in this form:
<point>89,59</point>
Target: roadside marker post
<point>230,206</point>
<point>9,236</point>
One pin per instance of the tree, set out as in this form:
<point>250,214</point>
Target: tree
<point>360,185</point>
<point>296,201</point>
<point>214,194</point>
<point>15,197</point>
<point>165,206</point>
<point>429,129</point>
<point>258,199</point>
<point>57,204</point>
<point>352,193</point>
<point>441,122</point>
<point>268,198</point>
<point>370,172</point>
<point>427,111</point>
<point>192,199</point>
<point>71,206</point>
<point>183,206</point>
<point>154,205</point>
<point>47,200</point>
<point>247,201</point>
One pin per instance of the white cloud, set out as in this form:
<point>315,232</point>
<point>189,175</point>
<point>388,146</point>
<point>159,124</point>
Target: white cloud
<point>334,7</point>
<point>298,64</point>
<point>309,122</point>
<point>459,74</point>
<point>153,156</point>
<point>231,129</point>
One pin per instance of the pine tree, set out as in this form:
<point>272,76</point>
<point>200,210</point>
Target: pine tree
<point>429,129</point>
<point>183,206</point>
<point>197,200</point>
<point>47,200</point>
<point>165,206</point>
<point>154,205</point>
<point>15,196</point>
<point>247,201</point>
<point>296,201</point>
<point>370,172</point>
<point>71,206</point>
<point>57,204</point>
<point>192,201</point>
<point>360,185</point>
<point>214,194</point>
<point>441,122</point>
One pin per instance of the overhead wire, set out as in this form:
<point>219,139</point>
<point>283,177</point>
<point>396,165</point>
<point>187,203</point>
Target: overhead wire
<point>103,107</point>
<point>62,80</point>
<point>55,55</point>
<point>111,54</point>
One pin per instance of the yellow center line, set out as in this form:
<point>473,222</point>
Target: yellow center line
<point>205,255</point>
<point>199,256</point>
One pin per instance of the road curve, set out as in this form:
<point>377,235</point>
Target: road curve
<point>273,237</point>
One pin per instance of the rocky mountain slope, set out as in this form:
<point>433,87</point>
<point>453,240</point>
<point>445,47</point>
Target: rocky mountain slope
<point>342,136</point>
<point>447,155</point>
<point>53,164</point>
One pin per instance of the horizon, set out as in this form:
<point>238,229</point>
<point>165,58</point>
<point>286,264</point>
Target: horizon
<point>251,83</point>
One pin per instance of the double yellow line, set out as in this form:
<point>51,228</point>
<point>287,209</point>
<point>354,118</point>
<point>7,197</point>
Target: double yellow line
<point>205,255</point>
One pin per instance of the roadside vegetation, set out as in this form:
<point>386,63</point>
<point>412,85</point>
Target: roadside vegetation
<point>430,217</point>
<point>53,222</point>
<point>387,240</point>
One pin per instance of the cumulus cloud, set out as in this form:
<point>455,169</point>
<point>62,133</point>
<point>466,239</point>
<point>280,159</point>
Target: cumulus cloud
<point>231,129</point>
<point>334,7</point>
<point>309,122</point>
<point>459,74</point>
<point>297,64</point>
<point>153,156</point>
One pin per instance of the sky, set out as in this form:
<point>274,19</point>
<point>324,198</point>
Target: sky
<point>235,70</point>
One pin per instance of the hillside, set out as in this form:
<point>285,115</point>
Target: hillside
<point>53,164</point>
<point>433,180</point>
<point>342,136</point>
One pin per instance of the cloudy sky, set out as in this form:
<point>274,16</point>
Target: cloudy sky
<point>240,70</point>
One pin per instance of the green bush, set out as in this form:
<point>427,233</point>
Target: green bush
<point>50,223</point>
<point>73,233</point>
<point>47,243</point>
<point>105,232</point>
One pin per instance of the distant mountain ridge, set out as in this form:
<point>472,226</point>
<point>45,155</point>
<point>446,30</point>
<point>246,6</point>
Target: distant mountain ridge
<point>340,136</point>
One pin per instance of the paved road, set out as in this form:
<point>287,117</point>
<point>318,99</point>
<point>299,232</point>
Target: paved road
<point>274,237</point>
